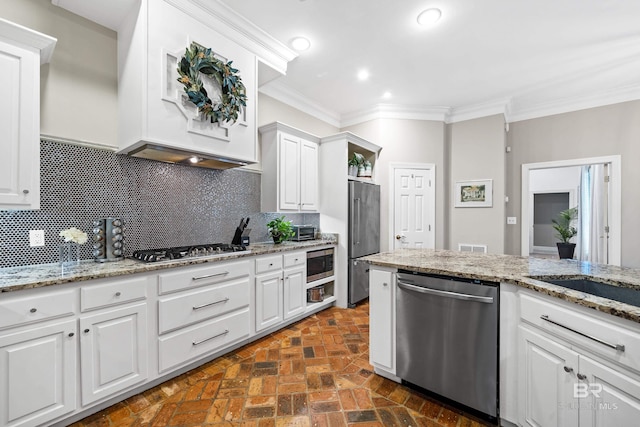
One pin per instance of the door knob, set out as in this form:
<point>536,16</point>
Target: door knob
<point>398,237</point>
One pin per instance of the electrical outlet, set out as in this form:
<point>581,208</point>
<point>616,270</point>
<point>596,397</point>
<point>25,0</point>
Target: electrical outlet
<point>36,238</point>
<point>512,220</point>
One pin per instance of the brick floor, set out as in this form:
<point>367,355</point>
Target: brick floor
<point>313,373</point>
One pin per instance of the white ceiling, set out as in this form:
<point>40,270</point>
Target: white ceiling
<point>522,57</point>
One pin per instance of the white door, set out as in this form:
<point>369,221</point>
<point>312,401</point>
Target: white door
<point>289,184</point>
<point>308,176</point>
<point>613,398</point>
<point>113,350</point>
<point>413,208</point>
<point>38,374</point>
<point>294,291</point>
<point>547,374</point>
<point>268,300</point>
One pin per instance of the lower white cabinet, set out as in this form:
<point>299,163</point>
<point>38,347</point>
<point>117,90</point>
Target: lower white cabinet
<point>113,351</point>
<point>295,296</point>
<point>37,374</point>
<point>547,375</point>
<point>269,300</point>
<point>280,288</point>
<point>382,348</point>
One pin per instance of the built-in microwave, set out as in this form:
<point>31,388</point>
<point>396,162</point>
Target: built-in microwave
<point>319,264</point>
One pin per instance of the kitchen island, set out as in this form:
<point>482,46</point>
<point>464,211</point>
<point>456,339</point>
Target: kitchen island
<point>565,357</point>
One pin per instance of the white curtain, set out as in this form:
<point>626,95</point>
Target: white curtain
<point>592,244</point>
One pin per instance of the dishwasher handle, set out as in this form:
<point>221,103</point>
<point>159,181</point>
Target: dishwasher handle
<point>446,294</point>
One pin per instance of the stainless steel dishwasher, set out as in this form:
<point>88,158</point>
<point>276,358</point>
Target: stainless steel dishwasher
<point>447,338</point>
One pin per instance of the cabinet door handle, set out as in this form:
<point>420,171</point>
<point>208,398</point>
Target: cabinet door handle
<point>617,347</point>
<point>568,370</point>
<point>33,310</point>
<point>25,191</point>
<point>118,294</point>
<point>71,334</point>
<point>224,273</point>
<point>226,331</point>
<point>582,377</point>
<point>222,301</point>
<point>86,331</point>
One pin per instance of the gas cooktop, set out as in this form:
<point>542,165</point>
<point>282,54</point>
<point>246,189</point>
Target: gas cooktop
<point>154,255</point>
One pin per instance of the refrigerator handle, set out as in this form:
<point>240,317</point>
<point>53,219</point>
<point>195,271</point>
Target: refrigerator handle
<point>356,226</point>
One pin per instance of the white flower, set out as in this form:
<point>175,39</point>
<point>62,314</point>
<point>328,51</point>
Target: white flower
<point>74,235</point>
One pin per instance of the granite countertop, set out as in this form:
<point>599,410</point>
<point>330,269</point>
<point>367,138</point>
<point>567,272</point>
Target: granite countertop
<point>520,271</point>
<point>37,276</point>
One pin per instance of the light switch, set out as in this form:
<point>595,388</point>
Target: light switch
<point>512,220</point>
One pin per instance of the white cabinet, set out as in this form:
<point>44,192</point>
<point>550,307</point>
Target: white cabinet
<point>382,326</point>
<point>21,53</point>
<point>280,288</point>
<point>269,300</point>
<point>547,374</point>
<point>38,371</point>
<point>289,169</point>
<point>576,367</point>
<point>113,351</point>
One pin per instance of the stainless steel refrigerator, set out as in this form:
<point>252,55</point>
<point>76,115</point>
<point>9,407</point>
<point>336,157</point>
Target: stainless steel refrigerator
<point>364,235</point>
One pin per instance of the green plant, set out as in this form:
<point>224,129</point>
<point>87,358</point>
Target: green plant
<point>356,160</point>
<point>563,224</point>
<point>280,230</point>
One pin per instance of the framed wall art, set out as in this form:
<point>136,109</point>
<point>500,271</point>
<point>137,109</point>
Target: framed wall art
<point>474,194</point>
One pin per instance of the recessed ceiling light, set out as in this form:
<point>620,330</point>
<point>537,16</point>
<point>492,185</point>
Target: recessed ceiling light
<point>429,17</point>
<point>300,44</point>
<point>194,159</point>
<point>363,74</point>
<point>386,95</point>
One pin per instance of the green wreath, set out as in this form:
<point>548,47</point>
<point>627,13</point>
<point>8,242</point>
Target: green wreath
<point>233,96</point>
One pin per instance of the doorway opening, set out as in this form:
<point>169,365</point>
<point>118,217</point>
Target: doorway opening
<point>592,185</point>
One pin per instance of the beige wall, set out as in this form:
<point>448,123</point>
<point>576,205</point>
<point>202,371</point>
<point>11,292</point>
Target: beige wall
<point>271,110</point>
<point>476,149</point>
<point>79,88</point>
<point>407,141</point>
<point>602,131</point>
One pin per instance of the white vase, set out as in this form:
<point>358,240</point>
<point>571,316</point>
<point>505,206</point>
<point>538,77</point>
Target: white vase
<point>353,170</point>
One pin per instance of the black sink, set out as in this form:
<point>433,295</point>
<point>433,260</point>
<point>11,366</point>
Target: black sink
<point>604,290</point>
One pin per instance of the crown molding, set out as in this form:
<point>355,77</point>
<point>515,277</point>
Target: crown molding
<point>277,90</point>
<point>28,37</point>
<point>460,114</point>
<point>523,111</point>
<point>393,111</point>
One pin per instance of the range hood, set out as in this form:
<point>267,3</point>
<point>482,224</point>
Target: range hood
<point>174,155</point>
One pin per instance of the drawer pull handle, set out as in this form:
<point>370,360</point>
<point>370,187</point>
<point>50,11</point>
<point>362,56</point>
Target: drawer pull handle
<point>118,294</point>
<point>617,347</point>
<point>226,331</point>
<point>33,310</point>
<point>222,301</point>
<point>224,273</point>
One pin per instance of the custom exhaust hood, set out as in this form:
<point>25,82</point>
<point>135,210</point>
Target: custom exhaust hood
<point>189,158</point>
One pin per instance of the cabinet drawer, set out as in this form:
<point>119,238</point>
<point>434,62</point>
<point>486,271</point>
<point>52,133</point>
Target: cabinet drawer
<point>18,311</point>
<point>573,322</point>
<point>207,337</point>
<point>295,259</point>
<point>270,263</point>
<point>201,276</point>
<point>201,304</point>
<point>112,293</point>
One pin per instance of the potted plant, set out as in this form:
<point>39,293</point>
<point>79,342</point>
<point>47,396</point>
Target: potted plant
<point>280,230</point>
<point>564,226</point>
<point>354,163</point>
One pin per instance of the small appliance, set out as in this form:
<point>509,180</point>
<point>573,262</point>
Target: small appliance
<point>304,232</point>
<point>315,294</point>
<point>319,264</point>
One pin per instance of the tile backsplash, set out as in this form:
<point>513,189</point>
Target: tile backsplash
<point>161,204</point>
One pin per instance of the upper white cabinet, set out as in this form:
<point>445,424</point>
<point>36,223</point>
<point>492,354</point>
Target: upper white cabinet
<point>289,169</point>
<point>22,51</point>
